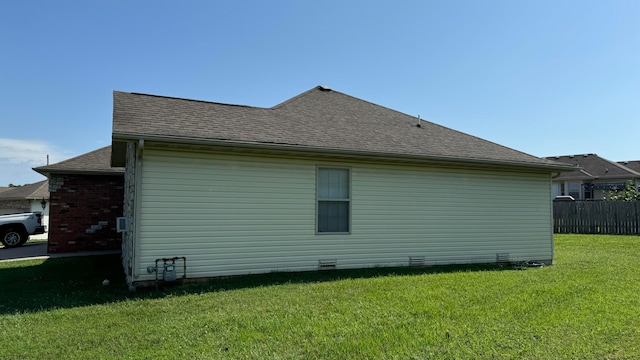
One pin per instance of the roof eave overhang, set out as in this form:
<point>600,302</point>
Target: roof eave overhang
<point>49,172</point>
<point>119,141</point>
<point>595,178</point>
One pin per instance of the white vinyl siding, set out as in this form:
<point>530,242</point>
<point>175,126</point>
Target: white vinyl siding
<point>234,214</point>
<point>454,216</point>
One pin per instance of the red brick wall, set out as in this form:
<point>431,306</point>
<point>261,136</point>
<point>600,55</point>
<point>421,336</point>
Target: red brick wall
<point>83,212</point>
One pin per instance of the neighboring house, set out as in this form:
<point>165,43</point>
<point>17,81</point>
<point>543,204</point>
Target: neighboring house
<point>593,177</point>
<point>322,180</point>
<point>86,198</point>
<point>26,198</point>
<point>633,165</point>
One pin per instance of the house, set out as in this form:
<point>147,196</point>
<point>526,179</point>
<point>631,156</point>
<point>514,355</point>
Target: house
<point>86,197</point>
<point>633,165</point>
<point>593,177</point>
<point>26,198</point>
<point>323,180</point>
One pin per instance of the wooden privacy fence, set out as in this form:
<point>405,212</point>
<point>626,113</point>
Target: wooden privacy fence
<point>596,217</point>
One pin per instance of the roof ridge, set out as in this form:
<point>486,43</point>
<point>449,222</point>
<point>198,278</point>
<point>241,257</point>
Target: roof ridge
<point>441,126</point>
<point>39,188</point>
<point>191,100</point>
<point>582,170</point>
<point>319,118</point>
<point>573,155</point>
<point>324,88</point>
<point>612,163</point>
<point>72,159</point>
<point>305,93</point>
<point>622,167</point>
<point>25,191</point>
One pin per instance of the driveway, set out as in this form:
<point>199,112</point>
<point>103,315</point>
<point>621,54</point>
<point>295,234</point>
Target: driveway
<point>26,251</point>
<point>38,250</point>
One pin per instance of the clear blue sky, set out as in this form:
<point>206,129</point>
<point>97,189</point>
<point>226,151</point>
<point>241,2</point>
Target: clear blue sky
<point>546,77</point>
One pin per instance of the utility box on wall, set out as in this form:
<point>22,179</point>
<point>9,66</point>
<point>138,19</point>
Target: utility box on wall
<point>169,273</point>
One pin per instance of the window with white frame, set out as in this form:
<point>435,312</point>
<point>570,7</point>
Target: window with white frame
<point>333,200</point>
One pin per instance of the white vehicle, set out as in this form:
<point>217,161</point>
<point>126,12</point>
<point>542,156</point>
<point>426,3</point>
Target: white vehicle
<point>15,229</point>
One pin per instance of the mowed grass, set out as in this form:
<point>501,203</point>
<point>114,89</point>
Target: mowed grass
<point>585,306</point>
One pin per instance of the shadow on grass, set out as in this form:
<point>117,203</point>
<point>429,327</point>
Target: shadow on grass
<point>32,286</point>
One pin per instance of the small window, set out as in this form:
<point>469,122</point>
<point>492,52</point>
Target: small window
<point>588,191</point>
<point>574,190</point>
<point>333,200</point>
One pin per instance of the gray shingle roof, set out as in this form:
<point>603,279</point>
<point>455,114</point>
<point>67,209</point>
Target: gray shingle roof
<point>592,166</point>
<point>320,119</point>
<point>633,165</point>
<point>95,162</point>
<point>33,191</point>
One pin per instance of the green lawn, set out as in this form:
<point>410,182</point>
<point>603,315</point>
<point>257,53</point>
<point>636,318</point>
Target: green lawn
<point>586,306</point>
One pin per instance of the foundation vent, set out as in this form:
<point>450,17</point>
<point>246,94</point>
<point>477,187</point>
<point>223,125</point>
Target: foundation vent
<point>502,258</point>
<point>416,260</point>
<point>327,264</point>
